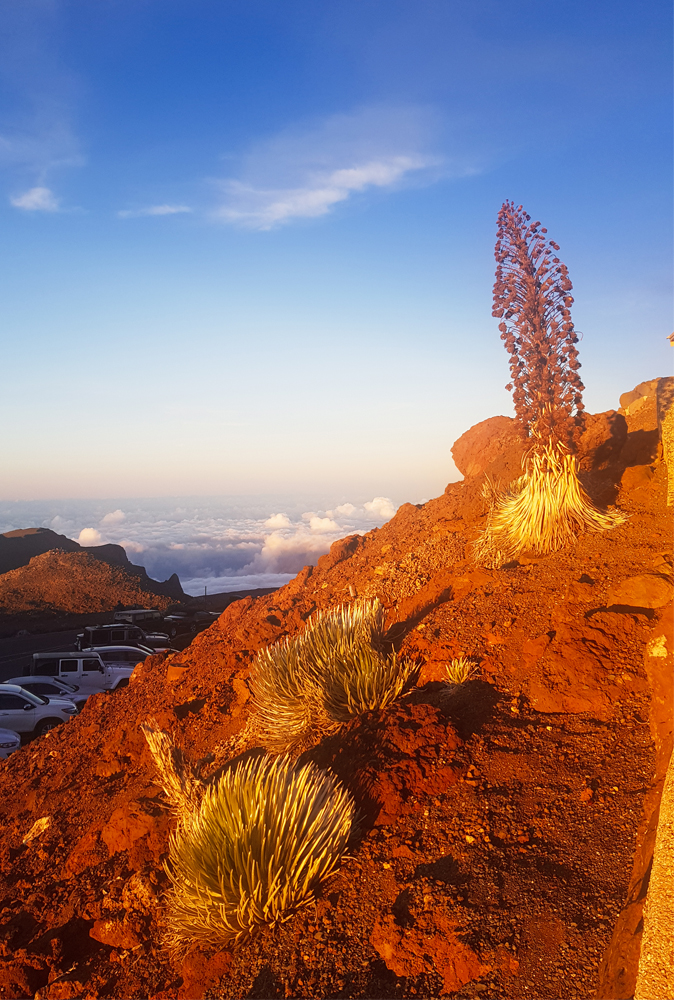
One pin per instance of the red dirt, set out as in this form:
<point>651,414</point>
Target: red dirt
<point>501,819</point>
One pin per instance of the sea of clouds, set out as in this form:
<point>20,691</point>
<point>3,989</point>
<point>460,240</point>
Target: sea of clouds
<point>218,543</point>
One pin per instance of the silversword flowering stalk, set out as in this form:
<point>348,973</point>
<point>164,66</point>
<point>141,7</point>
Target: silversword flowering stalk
<point>547,506</point>
<point>532,298</point>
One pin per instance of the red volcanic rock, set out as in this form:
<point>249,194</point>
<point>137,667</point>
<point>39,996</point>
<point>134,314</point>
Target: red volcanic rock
<point>202,971</point>
<point>23,974</point>
<point>132,823</point>
<point>419,744</point>
<point>659,664</point>
<point>424,940</point>
<point>574,669</point>
<point>494,446</point>
<point>86,852</point>
<point>639,392</point>
<point>116,933</point>
<point>642,444</point>
<point>636,476</point>
<point>618,969</point>
<point>339,550</point>
<point>422,950</point>
<point>649,590</point>
<point>602,439</point>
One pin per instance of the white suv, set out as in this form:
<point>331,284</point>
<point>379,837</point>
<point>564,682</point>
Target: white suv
<point>25,712</point>
<point>86,669</point>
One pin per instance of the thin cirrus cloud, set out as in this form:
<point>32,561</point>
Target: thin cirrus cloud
<point>153,210</point>
<point>37,133</point>
<point>265,209</point>
<point>305,173</point>
<point>37,199</point>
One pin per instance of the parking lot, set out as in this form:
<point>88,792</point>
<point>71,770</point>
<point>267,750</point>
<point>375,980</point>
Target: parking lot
<point>16,653</point>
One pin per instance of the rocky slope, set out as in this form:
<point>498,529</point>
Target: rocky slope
<point>506,825</point>
<point>73,583</point>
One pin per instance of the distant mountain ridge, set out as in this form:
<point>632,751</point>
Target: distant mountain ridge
<point>18,547</point>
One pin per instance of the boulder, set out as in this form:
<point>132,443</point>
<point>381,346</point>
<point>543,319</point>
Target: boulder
<point>636,476</point>
<point>427,943</point>
<point>602,439</point>
<point>493,446</point>
<point>639,391</point>
<point>117,933</point>
<point>647,591</point>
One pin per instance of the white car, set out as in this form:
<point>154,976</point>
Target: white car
<point>51,687</point>
<point>32,713</point>
<point>9,742</point>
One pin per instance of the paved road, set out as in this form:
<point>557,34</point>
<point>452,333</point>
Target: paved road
<point>16,653</point>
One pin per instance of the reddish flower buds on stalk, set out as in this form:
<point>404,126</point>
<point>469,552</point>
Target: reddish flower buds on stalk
<point>532,299</point>
<point>546,508</point>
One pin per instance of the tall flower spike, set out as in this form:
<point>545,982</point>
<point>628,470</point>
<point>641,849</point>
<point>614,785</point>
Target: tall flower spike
<point>532,298</point>
<point>547,507</point>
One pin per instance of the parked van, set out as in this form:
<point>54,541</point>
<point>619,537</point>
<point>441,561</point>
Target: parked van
<point>86,669</point>
<point>147,617</point>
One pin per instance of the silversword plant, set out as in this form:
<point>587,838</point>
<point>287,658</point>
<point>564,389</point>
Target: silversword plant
<point>312,684</point>
<point>547,506</point>
<point>460,670</point>
<point>254,850</point>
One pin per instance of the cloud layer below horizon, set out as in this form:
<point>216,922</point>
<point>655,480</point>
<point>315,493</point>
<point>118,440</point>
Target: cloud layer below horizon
<point>208,543</point>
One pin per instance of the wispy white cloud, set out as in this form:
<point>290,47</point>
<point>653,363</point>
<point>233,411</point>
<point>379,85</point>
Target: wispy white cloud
<point>153,210</point>
<point>305,173</point>
<point>37,130</point>
<point>37,199</point>
<point>264,209</point>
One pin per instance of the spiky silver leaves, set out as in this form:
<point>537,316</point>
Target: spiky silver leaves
<point>264,836</point>
<point>312,684</point>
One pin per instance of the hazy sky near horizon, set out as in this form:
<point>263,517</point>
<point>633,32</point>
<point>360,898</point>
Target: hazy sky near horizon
<point>248,246</point>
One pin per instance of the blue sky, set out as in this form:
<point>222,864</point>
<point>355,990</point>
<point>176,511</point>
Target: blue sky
<point>248,246</point>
